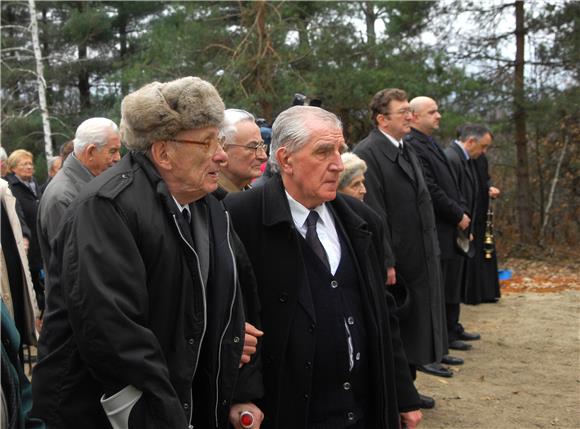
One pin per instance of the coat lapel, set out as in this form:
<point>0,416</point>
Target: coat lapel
<point>276,213</point>
<point>389,150</point>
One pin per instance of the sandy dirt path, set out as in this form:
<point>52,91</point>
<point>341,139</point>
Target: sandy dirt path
<point>523,373</point>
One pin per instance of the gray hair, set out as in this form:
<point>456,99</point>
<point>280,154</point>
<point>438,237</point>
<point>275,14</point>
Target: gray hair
<point>51,161</point>
<point>477,131</point>
<point>93,131</point>
<point>290,129</point>
<point>231,118</point>
<point>3,154</point>
<point>353,166</point>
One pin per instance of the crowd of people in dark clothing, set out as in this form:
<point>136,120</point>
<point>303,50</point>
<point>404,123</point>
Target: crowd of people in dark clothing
<point>225,273</point>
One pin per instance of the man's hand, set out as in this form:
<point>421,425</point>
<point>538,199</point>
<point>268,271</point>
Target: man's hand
<point>494,192</point>
<point>464,222</point>
<point>250,343</point>
<point>26,244</point>
<point>391,276</point>
<point>237,409</point>
<point>411,419</point>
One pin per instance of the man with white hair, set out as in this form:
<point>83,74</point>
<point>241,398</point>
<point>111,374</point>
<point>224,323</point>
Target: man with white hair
<point>96,148</point>
<point>54,164</point>
<point>145,321</point>
<point>332,356</point>
<point>246,152</point>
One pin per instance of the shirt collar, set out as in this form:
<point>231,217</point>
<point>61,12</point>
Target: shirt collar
<point>300,213</point>
<point>396,142</point>
<point>180,207</point>
<point>458,143</point>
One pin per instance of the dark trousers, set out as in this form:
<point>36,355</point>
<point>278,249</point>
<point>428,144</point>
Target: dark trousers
<point>454,328</point>
<point>452,273</point>
<point>413,369</point>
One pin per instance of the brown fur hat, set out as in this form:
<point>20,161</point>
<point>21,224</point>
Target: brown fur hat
<point>159,111</point>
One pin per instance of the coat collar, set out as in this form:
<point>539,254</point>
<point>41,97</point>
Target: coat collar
<point>384,145</point>
<point>276,209</point>
<point>430,143</point>
<point>73,168</point>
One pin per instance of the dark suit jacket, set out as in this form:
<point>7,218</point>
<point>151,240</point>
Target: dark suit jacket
<point>448,202</point>
<point>397,190</point>
<point>264,223</point>
<point>466,175</point>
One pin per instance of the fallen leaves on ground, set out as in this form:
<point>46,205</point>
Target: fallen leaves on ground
<point>540,276</point>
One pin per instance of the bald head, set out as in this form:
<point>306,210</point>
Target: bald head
<point>426,115</point>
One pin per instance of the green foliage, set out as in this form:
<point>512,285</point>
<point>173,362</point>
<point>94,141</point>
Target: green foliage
<point>259,54</point>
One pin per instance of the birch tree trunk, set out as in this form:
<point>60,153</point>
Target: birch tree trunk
<point>40,80</point>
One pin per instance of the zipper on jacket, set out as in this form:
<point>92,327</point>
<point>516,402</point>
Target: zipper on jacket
<point>228,322</point>
<point>204,318</point>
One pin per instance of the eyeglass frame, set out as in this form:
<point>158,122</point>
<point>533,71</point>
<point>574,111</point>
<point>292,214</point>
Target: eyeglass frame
<point>261,145</point>
<point>402,112</point>
<point>220,141</point>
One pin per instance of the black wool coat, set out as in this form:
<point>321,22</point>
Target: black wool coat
<point>28,201</point>
<point>466,176</point>
<point>448,202</point>
<point>400,195</point>
<point>127,304</point>
<point>264,223</point>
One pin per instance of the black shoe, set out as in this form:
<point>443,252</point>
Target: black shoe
<point>435,368</point>
<point>427,402</point>
<point>451,360</point>
<point>468,336</point>
<point>460,345</point>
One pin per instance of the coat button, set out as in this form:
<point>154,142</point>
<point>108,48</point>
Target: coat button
<point>308,364</point>
<point>350,320</point>
<point>306,396</point>
<point>236,339</point>
<point>346,385</point>
<point>186,406</point>
<point>311,328</point>
<point>350,416</point>
<point>190,341</point>
<point>283,297</point>
<point>334,284</point>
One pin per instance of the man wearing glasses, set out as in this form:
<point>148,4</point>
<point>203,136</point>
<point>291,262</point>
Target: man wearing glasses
<point>246,152</point>
<point>146,324</point>
<point>396,189</point>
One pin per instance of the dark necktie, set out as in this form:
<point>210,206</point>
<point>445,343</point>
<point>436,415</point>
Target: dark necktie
<point>187,218</point>
<point>403,152</point>
<point>313,240</point>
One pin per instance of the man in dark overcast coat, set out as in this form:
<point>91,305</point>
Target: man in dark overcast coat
<point>397,190</point>
<point>474,141</point>
<point>448,204</point>
<point>332,357</point>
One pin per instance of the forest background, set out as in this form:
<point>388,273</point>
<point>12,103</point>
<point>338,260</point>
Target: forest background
<point>512,65</point>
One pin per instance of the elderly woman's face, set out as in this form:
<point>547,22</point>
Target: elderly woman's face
<point>356,187</point>
<point>197,158</point>
<point>24,168</point>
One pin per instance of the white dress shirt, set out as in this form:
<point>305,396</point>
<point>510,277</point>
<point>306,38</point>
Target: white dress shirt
<point>396,142</point>
<point>325,228</point>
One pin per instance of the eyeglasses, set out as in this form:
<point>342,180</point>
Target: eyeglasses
<point>402,112</point>
<point>25,164</point>
<point>207,143</point>
<point>254,146</point>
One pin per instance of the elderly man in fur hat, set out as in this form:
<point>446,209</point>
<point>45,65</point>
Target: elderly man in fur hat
<point>145,323</point>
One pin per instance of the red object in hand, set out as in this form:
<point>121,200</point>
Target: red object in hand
<point>247,420</point>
